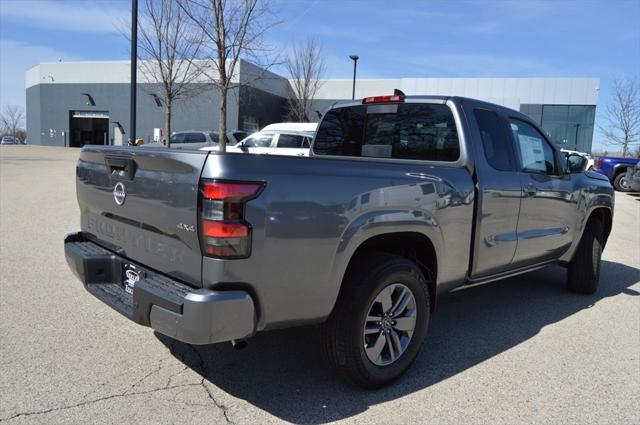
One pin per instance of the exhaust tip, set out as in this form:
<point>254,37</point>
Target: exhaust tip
<point>239,344</point>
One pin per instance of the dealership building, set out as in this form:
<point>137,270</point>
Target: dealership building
<point>75,103</point>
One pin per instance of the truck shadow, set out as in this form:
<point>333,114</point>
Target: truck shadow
<point>282,371</point>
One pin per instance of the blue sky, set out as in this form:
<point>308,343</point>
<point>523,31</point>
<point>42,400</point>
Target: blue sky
<point>393,38</point>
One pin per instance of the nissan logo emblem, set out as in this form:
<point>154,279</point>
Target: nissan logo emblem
<point>119,194</point>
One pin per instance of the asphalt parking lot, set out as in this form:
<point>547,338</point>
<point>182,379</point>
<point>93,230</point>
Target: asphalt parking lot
<point>517,351</point>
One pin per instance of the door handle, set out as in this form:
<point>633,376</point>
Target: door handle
<point>530,189</point>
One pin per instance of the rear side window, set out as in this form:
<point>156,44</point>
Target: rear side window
<point>177,138</point>
<point>400,131</point>
<point>214,137</point>
<point>494,139</point>
<point>290,141</point>
<point>195,138</point>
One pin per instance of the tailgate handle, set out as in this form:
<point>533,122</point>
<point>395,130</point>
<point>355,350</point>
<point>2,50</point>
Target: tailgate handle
<point>121,168</point>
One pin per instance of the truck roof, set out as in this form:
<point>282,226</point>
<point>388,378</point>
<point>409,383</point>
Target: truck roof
<point>428,99</point>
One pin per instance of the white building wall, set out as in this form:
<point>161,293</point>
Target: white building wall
<point>510,92</point>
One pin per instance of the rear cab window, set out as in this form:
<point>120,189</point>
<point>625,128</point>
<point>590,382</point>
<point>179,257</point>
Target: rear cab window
<point>417,131</point>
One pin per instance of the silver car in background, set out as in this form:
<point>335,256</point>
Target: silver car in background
<point>633,178</point>
<point>196,139</point>
<point>200,139</point>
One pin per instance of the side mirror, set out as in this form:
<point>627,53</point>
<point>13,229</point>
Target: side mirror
<point>576,163</point>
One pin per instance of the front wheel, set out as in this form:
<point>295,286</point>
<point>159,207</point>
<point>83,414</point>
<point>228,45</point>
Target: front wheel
<point>584,268</point>
<point>620,183</point>
<point>380,320</point>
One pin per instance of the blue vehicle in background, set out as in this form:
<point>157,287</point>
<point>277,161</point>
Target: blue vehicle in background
<point>616,170</point>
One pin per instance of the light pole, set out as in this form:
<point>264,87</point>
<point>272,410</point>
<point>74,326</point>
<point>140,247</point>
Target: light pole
<point>134,69</point>
<point>354,58</point>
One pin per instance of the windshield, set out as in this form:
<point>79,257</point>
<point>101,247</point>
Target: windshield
<point>258,140</point>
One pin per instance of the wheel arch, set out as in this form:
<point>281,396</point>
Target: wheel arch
<point>414,246</point>
<point>618,169</point>
<point>606,218</point>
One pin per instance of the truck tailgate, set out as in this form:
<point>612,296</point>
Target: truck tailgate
<point>142,204</point>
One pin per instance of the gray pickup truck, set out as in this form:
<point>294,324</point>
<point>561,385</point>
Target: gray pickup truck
<point>402,199</point>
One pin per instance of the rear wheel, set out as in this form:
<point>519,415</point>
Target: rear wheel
<point>380,320</point>
<point>620,183</point>
<point>584,268</point>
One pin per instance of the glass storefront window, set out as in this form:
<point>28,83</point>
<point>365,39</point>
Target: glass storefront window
<point>568,126</point>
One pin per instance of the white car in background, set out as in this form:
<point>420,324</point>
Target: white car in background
<point>9,140</point>
<point>291,139</point>
<point>590,160</point>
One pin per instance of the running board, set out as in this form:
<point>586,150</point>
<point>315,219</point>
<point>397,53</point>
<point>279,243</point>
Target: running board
<point>504,275</point>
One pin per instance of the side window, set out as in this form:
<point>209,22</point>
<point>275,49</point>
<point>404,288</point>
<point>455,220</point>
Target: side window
<point>195,138</point>
<point>259,141</point>
<point>289,141</point>
<point>404,131</point>
<point>536,156</point>
<point>214,137</point>
<point>494,139</point>
<point>178,138</point>
<point>306,143</point>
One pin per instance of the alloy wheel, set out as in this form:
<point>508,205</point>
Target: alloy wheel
<point>389,325</point>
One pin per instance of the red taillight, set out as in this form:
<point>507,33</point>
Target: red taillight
<point>220,229</point>
<point>224,232</point>
<point>597,164</point>
<point>384,99</point>
<point>230,191</point>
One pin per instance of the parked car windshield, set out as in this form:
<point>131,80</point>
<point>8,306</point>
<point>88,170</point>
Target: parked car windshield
<point>260,140</point>
<point>239,135</point>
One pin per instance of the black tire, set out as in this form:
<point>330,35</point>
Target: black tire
<point>343,334</point>
<point>618,182</point>
<point>584,268</point>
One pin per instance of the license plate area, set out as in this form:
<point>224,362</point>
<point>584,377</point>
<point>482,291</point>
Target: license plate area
<point>130,276</point>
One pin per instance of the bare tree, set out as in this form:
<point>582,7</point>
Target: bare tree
<point>233,29</point>
<point>306,67</point>
<point>12,120</point>
<point>622,115</point>
<point>169,45</point>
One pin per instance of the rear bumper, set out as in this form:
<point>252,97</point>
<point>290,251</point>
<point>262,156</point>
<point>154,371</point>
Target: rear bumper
<point>195,316</point>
